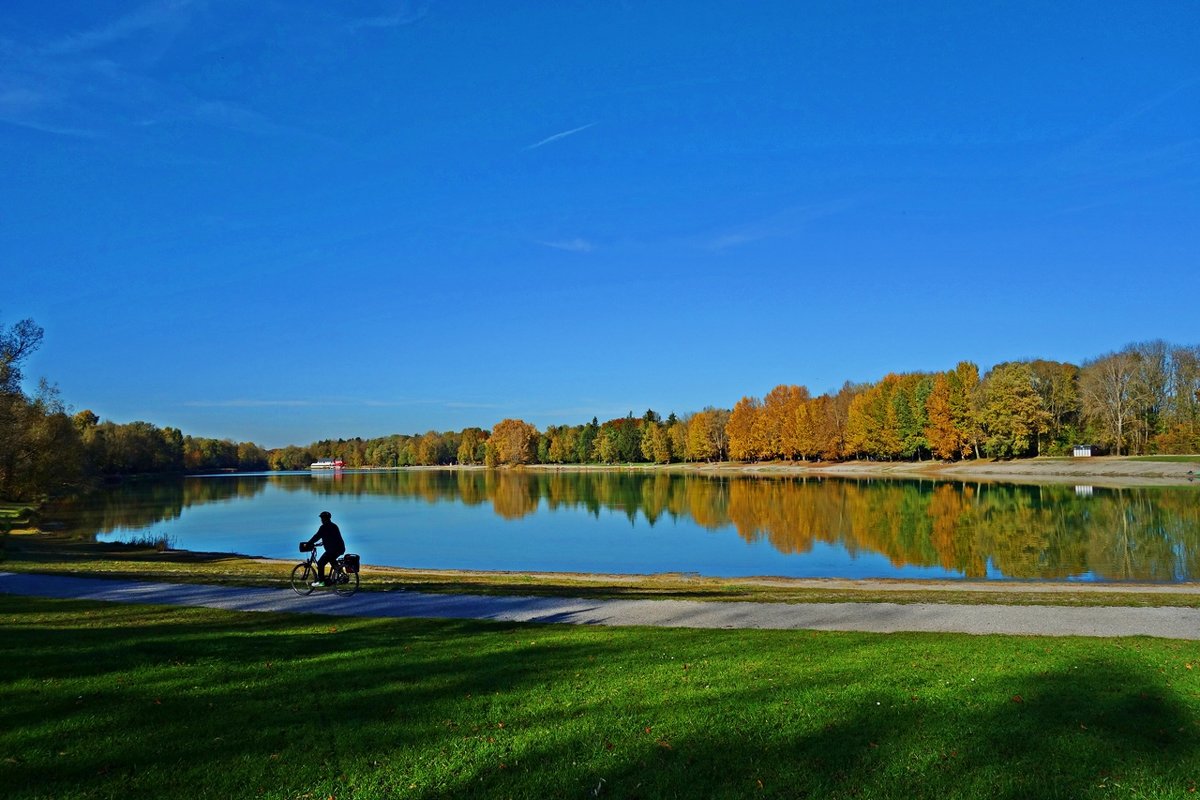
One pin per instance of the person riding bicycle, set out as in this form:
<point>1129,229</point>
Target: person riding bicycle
<point>331,537</point>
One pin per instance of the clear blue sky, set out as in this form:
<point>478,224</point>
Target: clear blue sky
<point>282,221</point>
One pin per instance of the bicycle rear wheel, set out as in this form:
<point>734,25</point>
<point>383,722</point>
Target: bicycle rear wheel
<point>302,578</point>
<point>347,584</point>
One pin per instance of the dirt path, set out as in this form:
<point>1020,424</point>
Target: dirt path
<point>1171,623</point>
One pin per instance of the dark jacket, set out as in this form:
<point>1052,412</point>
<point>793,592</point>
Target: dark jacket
<point>329,535</point>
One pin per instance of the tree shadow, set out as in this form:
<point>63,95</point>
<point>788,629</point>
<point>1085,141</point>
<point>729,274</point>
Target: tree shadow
<point>107,699</point>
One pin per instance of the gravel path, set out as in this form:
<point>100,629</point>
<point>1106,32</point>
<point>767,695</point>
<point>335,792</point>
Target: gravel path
<point>1171,623</point>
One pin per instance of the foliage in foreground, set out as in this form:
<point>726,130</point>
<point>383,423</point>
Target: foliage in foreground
<point>130,701</point>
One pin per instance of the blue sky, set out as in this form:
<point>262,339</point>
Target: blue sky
<point>282,221</point>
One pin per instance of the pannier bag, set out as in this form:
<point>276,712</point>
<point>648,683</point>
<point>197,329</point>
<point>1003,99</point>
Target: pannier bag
<point>350,562</point>
<point>305,547</point>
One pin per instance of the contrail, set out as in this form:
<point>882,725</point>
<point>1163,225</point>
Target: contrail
<point>562,135</point>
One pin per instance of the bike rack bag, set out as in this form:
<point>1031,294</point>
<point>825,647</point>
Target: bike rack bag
<point>350,562</point>
<point>305,547</point>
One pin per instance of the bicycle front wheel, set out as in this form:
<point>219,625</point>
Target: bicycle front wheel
<point>349,586</point>
<point>302,578</point>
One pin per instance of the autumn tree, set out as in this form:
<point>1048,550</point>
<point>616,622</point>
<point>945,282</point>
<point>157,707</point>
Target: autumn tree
<point>1012,415</point>
<point>871,425</point>
<point>1057,384</point>
<point>656,443</point>
<point>677,435</point>
<point>779,433</point>
<point>741,428</point>
<point>1152,380</point>
<point>515,442</point>
<point>1181,422</point>
<point>251,457</point>
<point>431,450</point>
<point>605,448</point>
<point>706,437</point>
<point>470,446</point>
<point>563,444</point>
<point>953,427</point>
<point>829,415</point>
<point>1111,395</point>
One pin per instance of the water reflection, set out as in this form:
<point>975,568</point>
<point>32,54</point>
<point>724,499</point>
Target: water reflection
<point>973,530</point>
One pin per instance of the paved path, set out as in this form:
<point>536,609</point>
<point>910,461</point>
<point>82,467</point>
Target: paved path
<point>1171,623</point>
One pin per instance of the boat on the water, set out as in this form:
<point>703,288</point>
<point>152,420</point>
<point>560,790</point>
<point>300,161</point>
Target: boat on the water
<point>327,463</point>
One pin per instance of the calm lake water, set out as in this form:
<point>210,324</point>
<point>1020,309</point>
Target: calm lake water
<point>630,522</point>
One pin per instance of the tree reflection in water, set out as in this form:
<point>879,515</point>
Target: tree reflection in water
<point>1034,532</point>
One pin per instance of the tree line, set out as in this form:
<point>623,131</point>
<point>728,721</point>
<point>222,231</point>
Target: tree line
<point>1144,398</point>
<point>46,450</point>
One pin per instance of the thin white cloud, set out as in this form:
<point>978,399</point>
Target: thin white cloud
<point>25,108</point>
<point>249,403</point>
<point>166,17</point>
<point>404,14</point>
<point>558,136</point>
<point>570,245</point>
<point>1106,149</point>
<point>787,222</point>
<point>101,80</point>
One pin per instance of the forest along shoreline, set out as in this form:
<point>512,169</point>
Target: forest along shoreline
<point>1106,471</point>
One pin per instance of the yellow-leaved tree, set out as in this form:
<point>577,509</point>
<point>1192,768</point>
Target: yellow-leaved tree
<point>514,441</point>
<point>741,429</point>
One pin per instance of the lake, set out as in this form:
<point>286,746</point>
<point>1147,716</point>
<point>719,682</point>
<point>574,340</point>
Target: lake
<point>646,522</point>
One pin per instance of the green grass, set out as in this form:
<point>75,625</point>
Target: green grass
<point>142,701</point>
<point>1173,459</point>
<point>15,513</point>
<point>62,554</point>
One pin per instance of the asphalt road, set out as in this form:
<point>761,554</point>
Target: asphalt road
<point>1170,623</point>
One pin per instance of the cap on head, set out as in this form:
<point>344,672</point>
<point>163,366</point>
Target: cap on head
<point>325,515</point>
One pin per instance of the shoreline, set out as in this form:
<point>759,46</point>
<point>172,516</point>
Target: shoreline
<point>1105,471</point>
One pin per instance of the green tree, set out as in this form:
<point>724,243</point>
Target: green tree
<point>1012,415</point>
<point>1057,384</point>
<point>585,446</point>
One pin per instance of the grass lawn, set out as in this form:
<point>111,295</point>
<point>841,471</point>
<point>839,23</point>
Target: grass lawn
<point>109,700</point>
<point>62,554</point>
<point>1173,459</point>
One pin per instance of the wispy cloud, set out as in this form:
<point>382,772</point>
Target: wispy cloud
<point>570,245</point>
<point>1109,149</point>
<point>164,17</point>
<point>242,403</point>
<point>102,81</point>
<point>558,136</point>
<point>788,222</point>
<point>402,14</point>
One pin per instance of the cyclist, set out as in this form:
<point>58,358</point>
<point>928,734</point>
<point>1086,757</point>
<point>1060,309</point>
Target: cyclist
<point>331,537</point>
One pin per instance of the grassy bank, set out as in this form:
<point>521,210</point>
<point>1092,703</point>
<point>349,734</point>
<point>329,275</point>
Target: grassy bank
<point>61,554</point>
<point>140,701</point>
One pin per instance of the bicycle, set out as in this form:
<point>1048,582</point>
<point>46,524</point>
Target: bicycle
<point>342,576</point>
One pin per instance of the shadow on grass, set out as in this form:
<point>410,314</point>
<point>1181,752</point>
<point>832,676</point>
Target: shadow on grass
<point>136,700</point>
